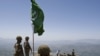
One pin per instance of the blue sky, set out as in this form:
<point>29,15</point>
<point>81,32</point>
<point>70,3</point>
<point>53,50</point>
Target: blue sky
<point>64,19</point>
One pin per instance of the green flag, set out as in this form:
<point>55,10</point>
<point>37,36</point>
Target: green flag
<point>37,18</point>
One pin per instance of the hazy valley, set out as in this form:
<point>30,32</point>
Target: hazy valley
<point>86,47</point>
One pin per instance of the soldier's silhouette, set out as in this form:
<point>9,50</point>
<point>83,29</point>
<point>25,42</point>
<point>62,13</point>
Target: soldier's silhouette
<point>18,47</point>
<point>27,46</point>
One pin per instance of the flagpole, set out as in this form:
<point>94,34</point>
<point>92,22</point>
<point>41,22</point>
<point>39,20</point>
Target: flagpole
<point>33,39</point>
<point>33,35</point>
<point>37,20</point>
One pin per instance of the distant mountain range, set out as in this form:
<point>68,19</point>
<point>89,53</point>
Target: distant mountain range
<point>85,47</point>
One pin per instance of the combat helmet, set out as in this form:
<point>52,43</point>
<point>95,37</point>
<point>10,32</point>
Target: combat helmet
<point>44,50</point>
<point>18,38</point>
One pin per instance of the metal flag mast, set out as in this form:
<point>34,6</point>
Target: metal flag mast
<point>33,39</point>
<point>37,20</point>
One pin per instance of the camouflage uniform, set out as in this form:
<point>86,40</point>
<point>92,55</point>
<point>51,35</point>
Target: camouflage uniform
<point>27,48</point>
<point>18,47</point>
<point>18,50</point>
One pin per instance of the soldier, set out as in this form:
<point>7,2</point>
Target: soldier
<point>18,47</point>
<point>69,55</point>
<point>73,53</point>
<point>58,52</point>
<point>27,46</point>
<point>43,50</point>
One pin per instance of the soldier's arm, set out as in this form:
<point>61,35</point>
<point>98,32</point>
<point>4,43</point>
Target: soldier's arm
<point>30,47</point>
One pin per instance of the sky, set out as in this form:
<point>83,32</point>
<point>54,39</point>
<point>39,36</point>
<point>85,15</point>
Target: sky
<point>64,19</point>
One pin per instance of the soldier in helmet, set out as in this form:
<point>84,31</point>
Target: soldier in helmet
<point>18,47</point>
<point>27,46</point>
<point>44,50</point>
